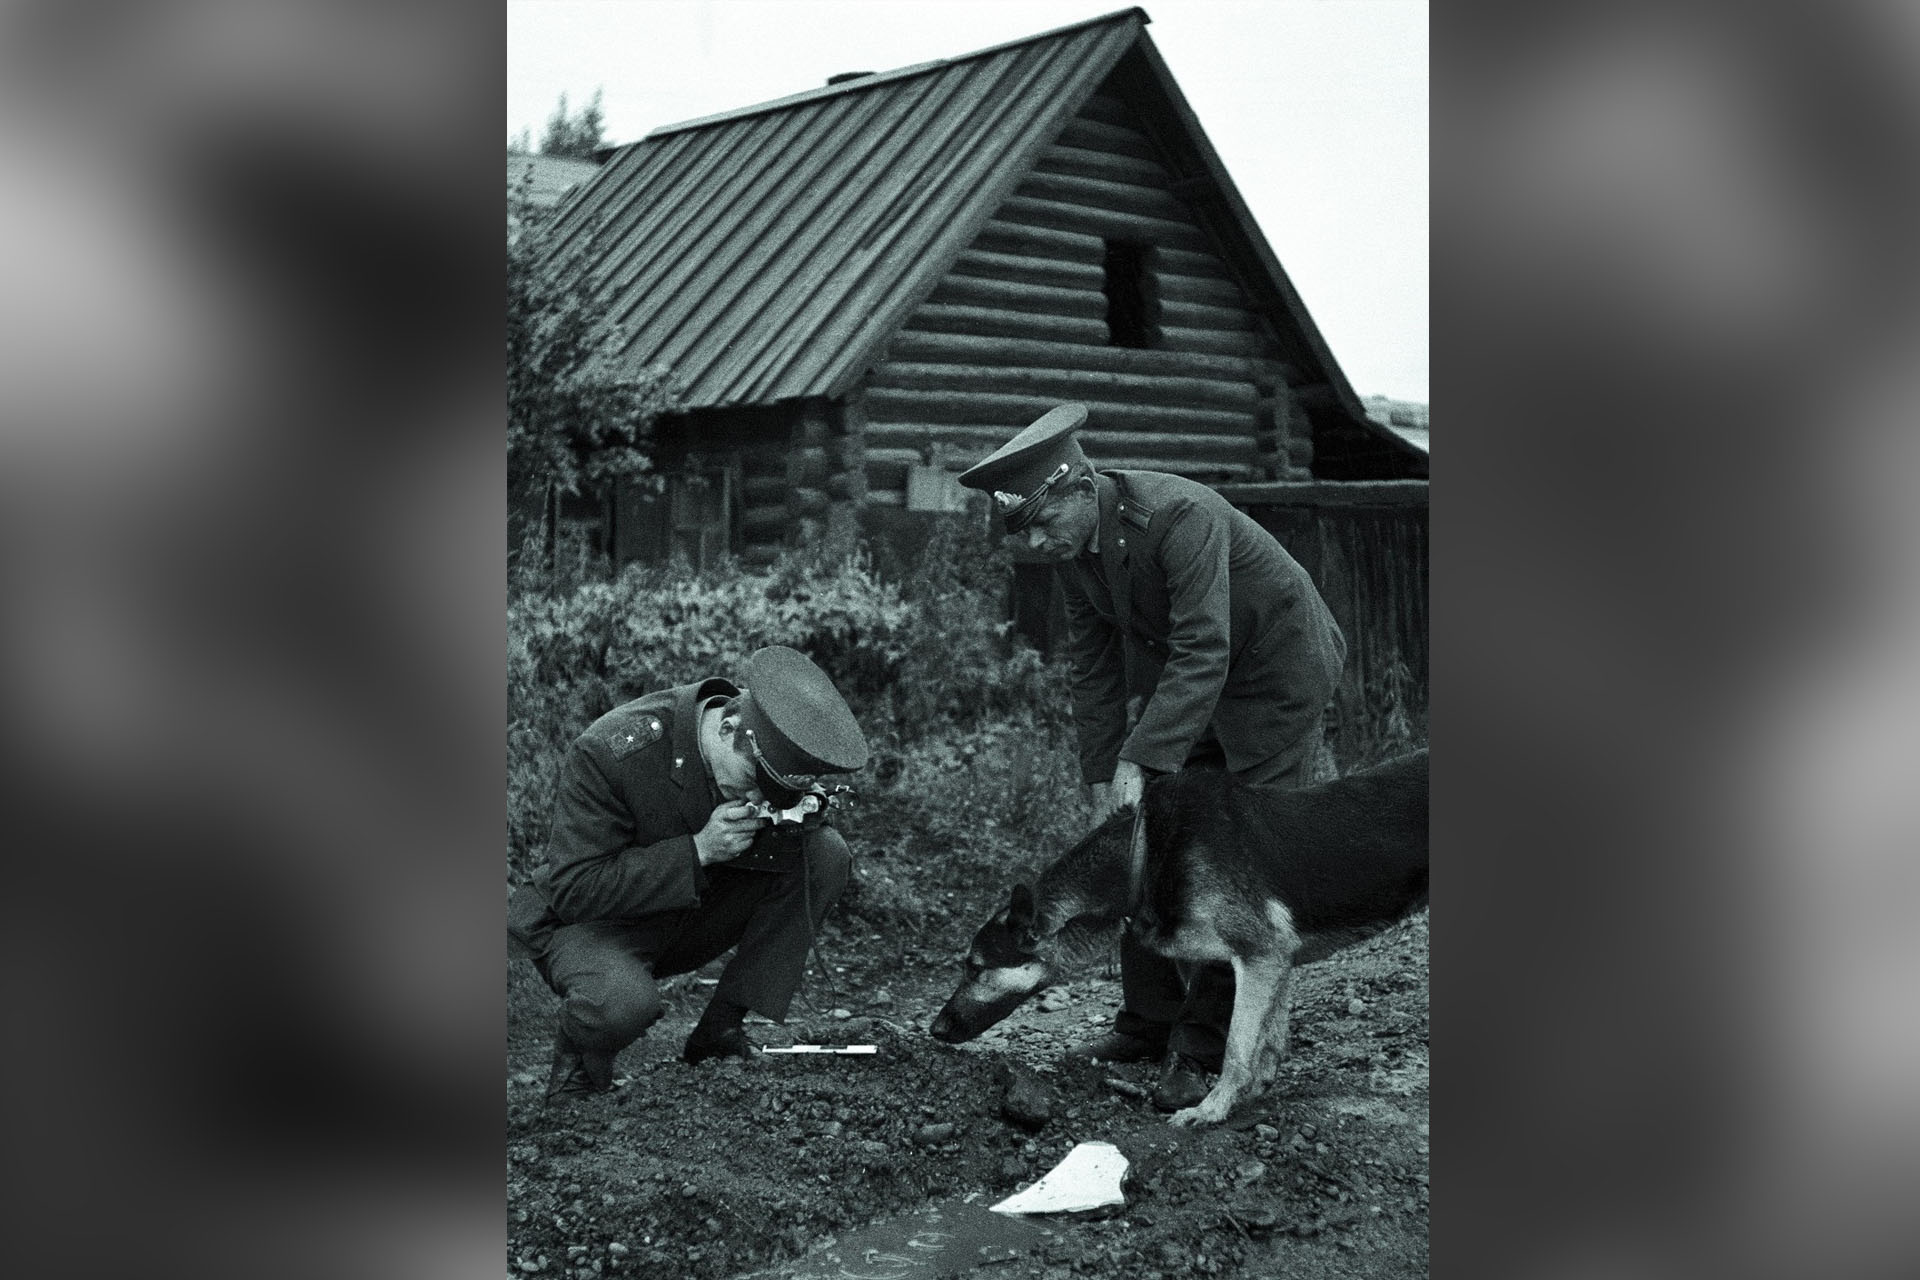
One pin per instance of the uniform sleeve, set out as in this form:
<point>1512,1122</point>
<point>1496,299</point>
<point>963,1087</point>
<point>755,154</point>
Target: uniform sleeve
<point>1193,555</point>
<point>594,869</point>
<point>1097,658</point>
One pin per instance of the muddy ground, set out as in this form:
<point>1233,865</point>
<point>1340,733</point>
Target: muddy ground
<point>738,1168</point>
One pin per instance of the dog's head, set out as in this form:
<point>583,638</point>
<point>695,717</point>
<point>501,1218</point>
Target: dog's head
<point>1004,966</point>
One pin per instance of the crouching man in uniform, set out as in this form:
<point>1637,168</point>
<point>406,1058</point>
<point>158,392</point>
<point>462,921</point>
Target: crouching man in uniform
<point>1176,598</point>
<point>659,861</point>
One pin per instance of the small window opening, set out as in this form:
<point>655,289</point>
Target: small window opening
<point>1129,292</point>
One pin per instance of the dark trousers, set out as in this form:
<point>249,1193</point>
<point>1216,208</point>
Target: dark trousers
<point>604,970</point>
<point>1187,1006</point>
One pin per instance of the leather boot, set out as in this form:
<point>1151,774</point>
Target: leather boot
<point>1183,1083</point>
<point>576,1073</point>
<point>719,1034</point>
<point>1118,1046</point>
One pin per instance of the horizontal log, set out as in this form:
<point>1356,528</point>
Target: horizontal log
<point>845,485</point>
<point>965,444</point>
<point>886,497</point>
<point>1204,263</point>
<point>808,465</point>
<point>756,463</point>
<point>763,522</point>
<point>1042,242</point>
<point>1096,135</point>
<point>1108,224</point>
<point>1103,164</point>
<point>913,454</point>
<point>1028,269</point>
<point>894,462</point>
<point>758,555</point>
<point>1108,109</point>
<point>1211,291</point>
<point>1329,493</point>
<point>1210,341</point>
<point>1104,193</point>
<point>1192,468</point>
<point>978,349</point>
<point>1018,295</point>
<point>891,406</point>
<point>764,491</point>
<point>938,318</point>
<point>807,501</point>
<point>1069,384</point>
<point>1198,315</point>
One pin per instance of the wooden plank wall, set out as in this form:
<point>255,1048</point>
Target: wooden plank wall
<point>1370,564</point>
<point>1019,325</point>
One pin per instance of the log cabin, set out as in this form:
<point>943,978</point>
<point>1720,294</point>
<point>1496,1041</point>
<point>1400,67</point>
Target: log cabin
<point>862,289</point>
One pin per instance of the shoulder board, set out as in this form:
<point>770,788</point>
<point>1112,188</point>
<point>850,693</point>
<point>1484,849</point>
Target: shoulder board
<point>632,733</point>
<point>1133,511</point>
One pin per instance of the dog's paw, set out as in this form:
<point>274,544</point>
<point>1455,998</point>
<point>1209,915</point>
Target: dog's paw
<point>1209,1111</point>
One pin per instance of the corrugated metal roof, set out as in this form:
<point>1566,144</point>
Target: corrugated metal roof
<point>760,253</point>
<point>548,178</point>
<point>766,253</point>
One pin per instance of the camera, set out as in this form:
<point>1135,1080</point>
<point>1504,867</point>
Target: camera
<point>814,800</point>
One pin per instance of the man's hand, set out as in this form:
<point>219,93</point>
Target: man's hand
<point>729,830</point>
<point>1125,789</point>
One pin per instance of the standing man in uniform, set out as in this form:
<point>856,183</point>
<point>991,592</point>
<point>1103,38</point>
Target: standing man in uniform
<point>1175,597</point>
<point>660,862</point>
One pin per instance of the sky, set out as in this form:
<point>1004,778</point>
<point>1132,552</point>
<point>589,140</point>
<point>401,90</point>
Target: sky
<point>1317,107</point>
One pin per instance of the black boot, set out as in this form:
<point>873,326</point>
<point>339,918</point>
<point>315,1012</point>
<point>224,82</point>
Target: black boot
<point>576,1073</point>
<point>1183,1082</point>
<point>719,1035</point>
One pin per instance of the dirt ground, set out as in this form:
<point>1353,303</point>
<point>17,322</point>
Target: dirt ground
<point>756,1168</point>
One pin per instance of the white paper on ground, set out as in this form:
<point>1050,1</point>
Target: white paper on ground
<point>826,1048</point>
<point>1088,1178</point>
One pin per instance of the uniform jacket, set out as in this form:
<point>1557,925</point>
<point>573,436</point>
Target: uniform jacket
<point>1197,609</point>
<point>633,792</point>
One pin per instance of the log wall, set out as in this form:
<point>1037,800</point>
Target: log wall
<point>1020,324</point>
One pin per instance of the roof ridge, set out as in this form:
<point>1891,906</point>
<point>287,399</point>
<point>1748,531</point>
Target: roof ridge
<point>888,77</point>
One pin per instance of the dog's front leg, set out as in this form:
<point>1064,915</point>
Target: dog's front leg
<point>1256,983</point>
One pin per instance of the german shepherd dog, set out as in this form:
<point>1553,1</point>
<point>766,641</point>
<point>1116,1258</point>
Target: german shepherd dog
<point>1214,871</point>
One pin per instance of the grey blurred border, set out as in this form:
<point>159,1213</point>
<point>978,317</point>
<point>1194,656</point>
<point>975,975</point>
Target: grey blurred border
<point>252,497</point>
<point>251,490</point>
<point>1675,622</point>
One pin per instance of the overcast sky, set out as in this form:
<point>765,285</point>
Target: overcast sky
<point>1318,108</point>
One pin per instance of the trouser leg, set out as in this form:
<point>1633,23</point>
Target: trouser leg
<point>770,918</point>
<point>607,993</point>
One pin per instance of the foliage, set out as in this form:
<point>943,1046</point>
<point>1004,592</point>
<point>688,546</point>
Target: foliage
<point>927,666</point>
<point>578,136</point>
<point>571,420</point>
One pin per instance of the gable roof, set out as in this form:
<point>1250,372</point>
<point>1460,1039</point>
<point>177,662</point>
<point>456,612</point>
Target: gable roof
<point>548,178</point>
<point>769,252</point>
<point>1405,418</point>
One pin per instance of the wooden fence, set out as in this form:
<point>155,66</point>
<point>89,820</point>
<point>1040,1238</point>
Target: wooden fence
<point>1364,543</point>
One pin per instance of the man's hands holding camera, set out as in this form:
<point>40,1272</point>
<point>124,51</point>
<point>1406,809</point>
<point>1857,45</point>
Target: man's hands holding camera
<point>729,830</point>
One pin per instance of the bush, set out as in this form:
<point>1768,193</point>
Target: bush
<point>919,662</point>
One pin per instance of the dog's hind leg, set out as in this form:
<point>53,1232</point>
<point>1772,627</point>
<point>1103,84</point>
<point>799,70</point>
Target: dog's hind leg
<point>1257,982</point>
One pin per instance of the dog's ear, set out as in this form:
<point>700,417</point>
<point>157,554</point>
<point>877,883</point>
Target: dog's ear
<point>1020,909</point>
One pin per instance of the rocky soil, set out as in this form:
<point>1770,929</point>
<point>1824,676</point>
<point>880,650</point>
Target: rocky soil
<point>750,1168</point>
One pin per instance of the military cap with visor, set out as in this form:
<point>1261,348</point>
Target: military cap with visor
<point>1024,471</point>
<point>796,723</point>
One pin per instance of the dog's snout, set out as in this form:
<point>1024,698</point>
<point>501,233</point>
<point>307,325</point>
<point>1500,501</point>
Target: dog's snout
<point>943,1027</point>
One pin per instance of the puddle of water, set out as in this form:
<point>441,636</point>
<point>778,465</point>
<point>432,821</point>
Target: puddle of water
<point>942,1239</point>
